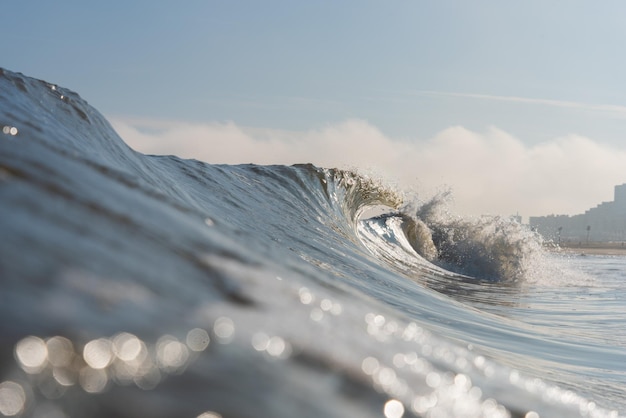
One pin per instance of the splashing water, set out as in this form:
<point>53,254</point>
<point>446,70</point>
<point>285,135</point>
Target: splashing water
<point>137,285</point>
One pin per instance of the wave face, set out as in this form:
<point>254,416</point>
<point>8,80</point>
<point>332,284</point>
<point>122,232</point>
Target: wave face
<point>137,285</point>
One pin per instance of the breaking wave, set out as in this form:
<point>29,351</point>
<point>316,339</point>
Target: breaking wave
<point>138,285</point>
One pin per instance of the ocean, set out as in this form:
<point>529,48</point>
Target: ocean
<point>138,285</point>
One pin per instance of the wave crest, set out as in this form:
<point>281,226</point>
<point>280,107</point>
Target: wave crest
<point>355,192</point>
<point>490,248</point>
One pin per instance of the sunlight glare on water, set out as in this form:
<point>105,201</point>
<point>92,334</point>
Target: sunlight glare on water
<point>126,347</point>
<point>393,409</point>
<point>275,260</point>
<point>32,353</point>
<point>98,353</point>
<point>172,355</point>
<point>209,415</point>
<point>122,359</point>
<point>60,351</point>
<point>9,130</point>
<point>93,380</point>
<point>12,398</point>
<point>224,329</point>
<point>198,339</point>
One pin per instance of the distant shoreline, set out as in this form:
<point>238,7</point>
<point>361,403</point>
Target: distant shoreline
<point>594,248</point>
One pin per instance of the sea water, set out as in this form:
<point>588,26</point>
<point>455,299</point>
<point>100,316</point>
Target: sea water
<point>137,285</point>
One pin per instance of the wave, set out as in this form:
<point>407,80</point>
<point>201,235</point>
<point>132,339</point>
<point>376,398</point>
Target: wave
<point>486,248</point>
<point>257,289</point>
<point>489,248</point>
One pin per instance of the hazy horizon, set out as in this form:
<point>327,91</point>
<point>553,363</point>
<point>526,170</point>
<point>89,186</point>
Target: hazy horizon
<point>516,108</point>
<point>472,165</point>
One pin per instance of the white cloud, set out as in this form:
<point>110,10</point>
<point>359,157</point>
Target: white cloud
<point>489,173</point>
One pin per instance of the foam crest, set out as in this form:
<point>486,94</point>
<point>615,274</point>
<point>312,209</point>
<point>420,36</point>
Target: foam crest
<point>490,248</point>
<point>356,192</point>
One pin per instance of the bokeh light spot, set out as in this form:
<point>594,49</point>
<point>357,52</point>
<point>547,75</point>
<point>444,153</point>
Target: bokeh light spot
<point>276,347</point>
<point>64,376</point>
<point>12,398</point>
<point>317,314</point>
<point>433,380</point>
<point>9,130</point>
<point>260,341</point>
<point>224,328</point>
<point>370,366</point>
<point>326,305</point>
<point>98,353</point>
<point>209,415</point>
<point>93,380</point>
<point>198,339</point>
<point>393,409</point>
<point>60,351</point>
<point>306,297</point>
<point>126,347</point>
<point>32,354</point>
<point>172,355</point>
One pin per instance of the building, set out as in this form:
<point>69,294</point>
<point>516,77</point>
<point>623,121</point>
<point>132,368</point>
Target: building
<point>606,222</point>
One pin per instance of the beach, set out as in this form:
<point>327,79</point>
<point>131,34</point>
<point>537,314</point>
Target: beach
<point>595,248</point>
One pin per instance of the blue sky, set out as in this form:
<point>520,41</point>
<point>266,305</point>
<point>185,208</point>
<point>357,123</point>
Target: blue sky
<point>539,71</point>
